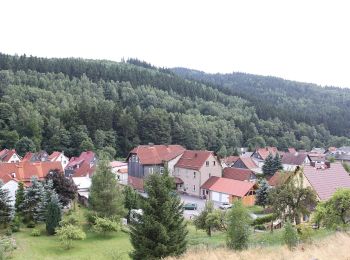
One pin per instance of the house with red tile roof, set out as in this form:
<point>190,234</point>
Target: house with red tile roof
<point>247,163</point>
<point>84,165</point>
<point>59,157</point>
<point>326,180</point>
<point>229,161</point>
<point>239,174</point>
<point>262,153</point>
<point>41,156</point>
<point>9,156</point>
<point>228,190</point>
<point>120,169</point>
<point>144,160</point>
<point>193,169</point>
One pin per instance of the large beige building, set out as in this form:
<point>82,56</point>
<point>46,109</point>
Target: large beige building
<point>193,169</point>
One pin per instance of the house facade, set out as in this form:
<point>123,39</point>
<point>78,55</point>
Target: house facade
<point>9,156</point>
<point>247,163</point>
<point>239,174</point>
<point>290,161</point>
<point>59,157</point>
<point>145,160</point>
<point>84,165</point>
<point>193,169</point>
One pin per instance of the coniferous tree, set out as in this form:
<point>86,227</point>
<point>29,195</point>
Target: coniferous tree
<point>19,198</point>
<point>277,163</point>
<point>53,214</point>
<point>32,199</point>
<point>268,167</point>
<point>45,197</point>
<point>131,200</point>
<point>106,197</point>
<point>262,194</point>
<point>160,231</point>
<point>6,208</point>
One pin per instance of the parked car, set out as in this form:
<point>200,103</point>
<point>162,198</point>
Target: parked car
<point>190,206</point>
<point>225,205</point>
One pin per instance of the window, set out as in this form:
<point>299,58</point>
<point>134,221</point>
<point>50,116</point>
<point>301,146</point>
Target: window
<point>213,163</point>
<point>150,170</point>
<point>161,170</point>
<point>194,175</point>
<point>207,163</point>
<point>209,175</point>
<point>194,187</point>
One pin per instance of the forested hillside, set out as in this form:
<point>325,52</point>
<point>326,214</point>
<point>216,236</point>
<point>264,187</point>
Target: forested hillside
<point>75,104</point>
<point>288,100</point>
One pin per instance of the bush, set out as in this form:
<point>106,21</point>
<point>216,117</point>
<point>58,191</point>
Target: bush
<point>305,233</point>
<point>35,233</point>
<point>68,233</point>
<point>8,232</point>
<point>7,246</point>
<point>265,219</point>
<point>90,217</point>
<point>69,220</point>
<point>105,225</point>
<point>290,236</point>
<point>31,224</point>
<point>259,227</point>
<point>16,224</point>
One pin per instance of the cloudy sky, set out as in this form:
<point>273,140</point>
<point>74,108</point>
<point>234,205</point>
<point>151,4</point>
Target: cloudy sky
<point>299,40</point>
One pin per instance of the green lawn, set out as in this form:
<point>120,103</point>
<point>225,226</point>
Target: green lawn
<point>117,245</point>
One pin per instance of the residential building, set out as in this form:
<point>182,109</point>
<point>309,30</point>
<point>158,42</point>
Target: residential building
<point>194,168</point>
<point>10,184</point>
<point>247,163</point>
<point>41,156</point>
<point>229,161</point>
<point>291,160</point>
<point>84,165</point>
<point>317,159</point>
<point>261,154</point>
<point>83,187</point>
<point>228,190</point>
<point>144,160</point>
<point>120,169</point>
<point>59,157</point>
<point>9,156</point>
<point>239,174</point>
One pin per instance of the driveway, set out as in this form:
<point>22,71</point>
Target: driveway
<point>189,214</point>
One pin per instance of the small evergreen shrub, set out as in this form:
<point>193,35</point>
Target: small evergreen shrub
<point>31,224</point>
<point>35,233</point>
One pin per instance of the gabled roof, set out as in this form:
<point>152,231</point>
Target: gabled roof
<point>317,156</point>
<point>54,155</point>
<point>84,170</point>
<point>248,162</point>
<point>264,152</point>
<point>277,179</point>
<point>230,159</point>
<point>294,158</point>
<point>156,154</point>
<point>318,150</point>
<point>326,181</point>
<point>87,156</point>
<point>5,155</point>
<point>117,164</point>
<point>228,186</point>
<point>238,174</point>
<point>193,160</point>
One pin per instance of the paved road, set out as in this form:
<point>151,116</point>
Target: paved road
<point>189,214</point>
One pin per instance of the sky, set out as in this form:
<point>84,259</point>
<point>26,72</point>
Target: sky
<point>306,41</point>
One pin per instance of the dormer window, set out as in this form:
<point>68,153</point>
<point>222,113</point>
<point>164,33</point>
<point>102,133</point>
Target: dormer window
<point>13,175</point>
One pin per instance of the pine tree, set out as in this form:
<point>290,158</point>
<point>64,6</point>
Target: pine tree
<point>45,197</point>
<point>6,208</point>
<point>160,231</point>
<point>106,197</point>
<point>238,227</point>
<point>53,214</point>
<point>277,164</point>
<point>19,198</point>
<point>262,194</point>
<point>32,198</point>
<point>268,165</point>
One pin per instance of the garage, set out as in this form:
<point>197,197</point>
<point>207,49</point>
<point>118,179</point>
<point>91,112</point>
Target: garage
<point>219,197</point>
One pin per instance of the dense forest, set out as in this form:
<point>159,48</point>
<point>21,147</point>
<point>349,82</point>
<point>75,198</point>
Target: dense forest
<point>110,107</point>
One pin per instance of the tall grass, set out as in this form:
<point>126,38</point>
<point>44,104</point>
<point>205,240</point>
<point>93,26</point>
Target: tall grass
<point>335,247</point>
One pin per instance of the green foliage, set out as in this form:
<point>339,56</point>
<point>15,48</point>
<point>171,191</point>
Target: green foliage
<point>25,145</point>
<point>304,232</point>
<point>106,197</point>
<point>262,193</point>
<point>346,167</point>
<point>7,246</point>
<point>290,236</point>
<point>35,233</point>
<point>66,234</point>
<point>238,230</point>
<point>69,220</point>
<point>161,230</point>
<point>272,164</point>
<point>265,219</point>
<point>259,227</point>
<point>336,211</point>
<point>291,200</point>
<point>53,214</point>
<point>105,225</point>
<point>19,198</point>
<point>131,200</point>
<point>16,223</point>
<point>6,209</point>
<point>32,199</point>
<point>31,224</point>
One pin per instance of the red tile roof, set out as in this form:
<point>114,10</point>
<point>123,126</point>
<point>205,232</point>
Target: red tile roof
<point>228,186</point>
<point>292,150</point>
<point>5,155</point>
<point>193,160</point>
<point>326,181</point>
<point>117,164</point>
<point>84,156</point>
<point>54,155</point>
<point>84,170</point>
<point>25,170</point>
<point>276,179</point>
<point>230,159</point>
<point>156,154</point>
<point>248,162</point>
<point>238,174</point>
<point>264,152</point>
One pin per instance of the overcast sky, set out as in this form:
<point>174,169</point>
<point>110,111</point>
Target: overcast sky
<point>299,40</point>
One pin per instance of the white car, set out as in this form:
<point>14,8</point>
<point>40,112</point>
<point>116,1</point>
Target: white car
<point>225,205</point>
